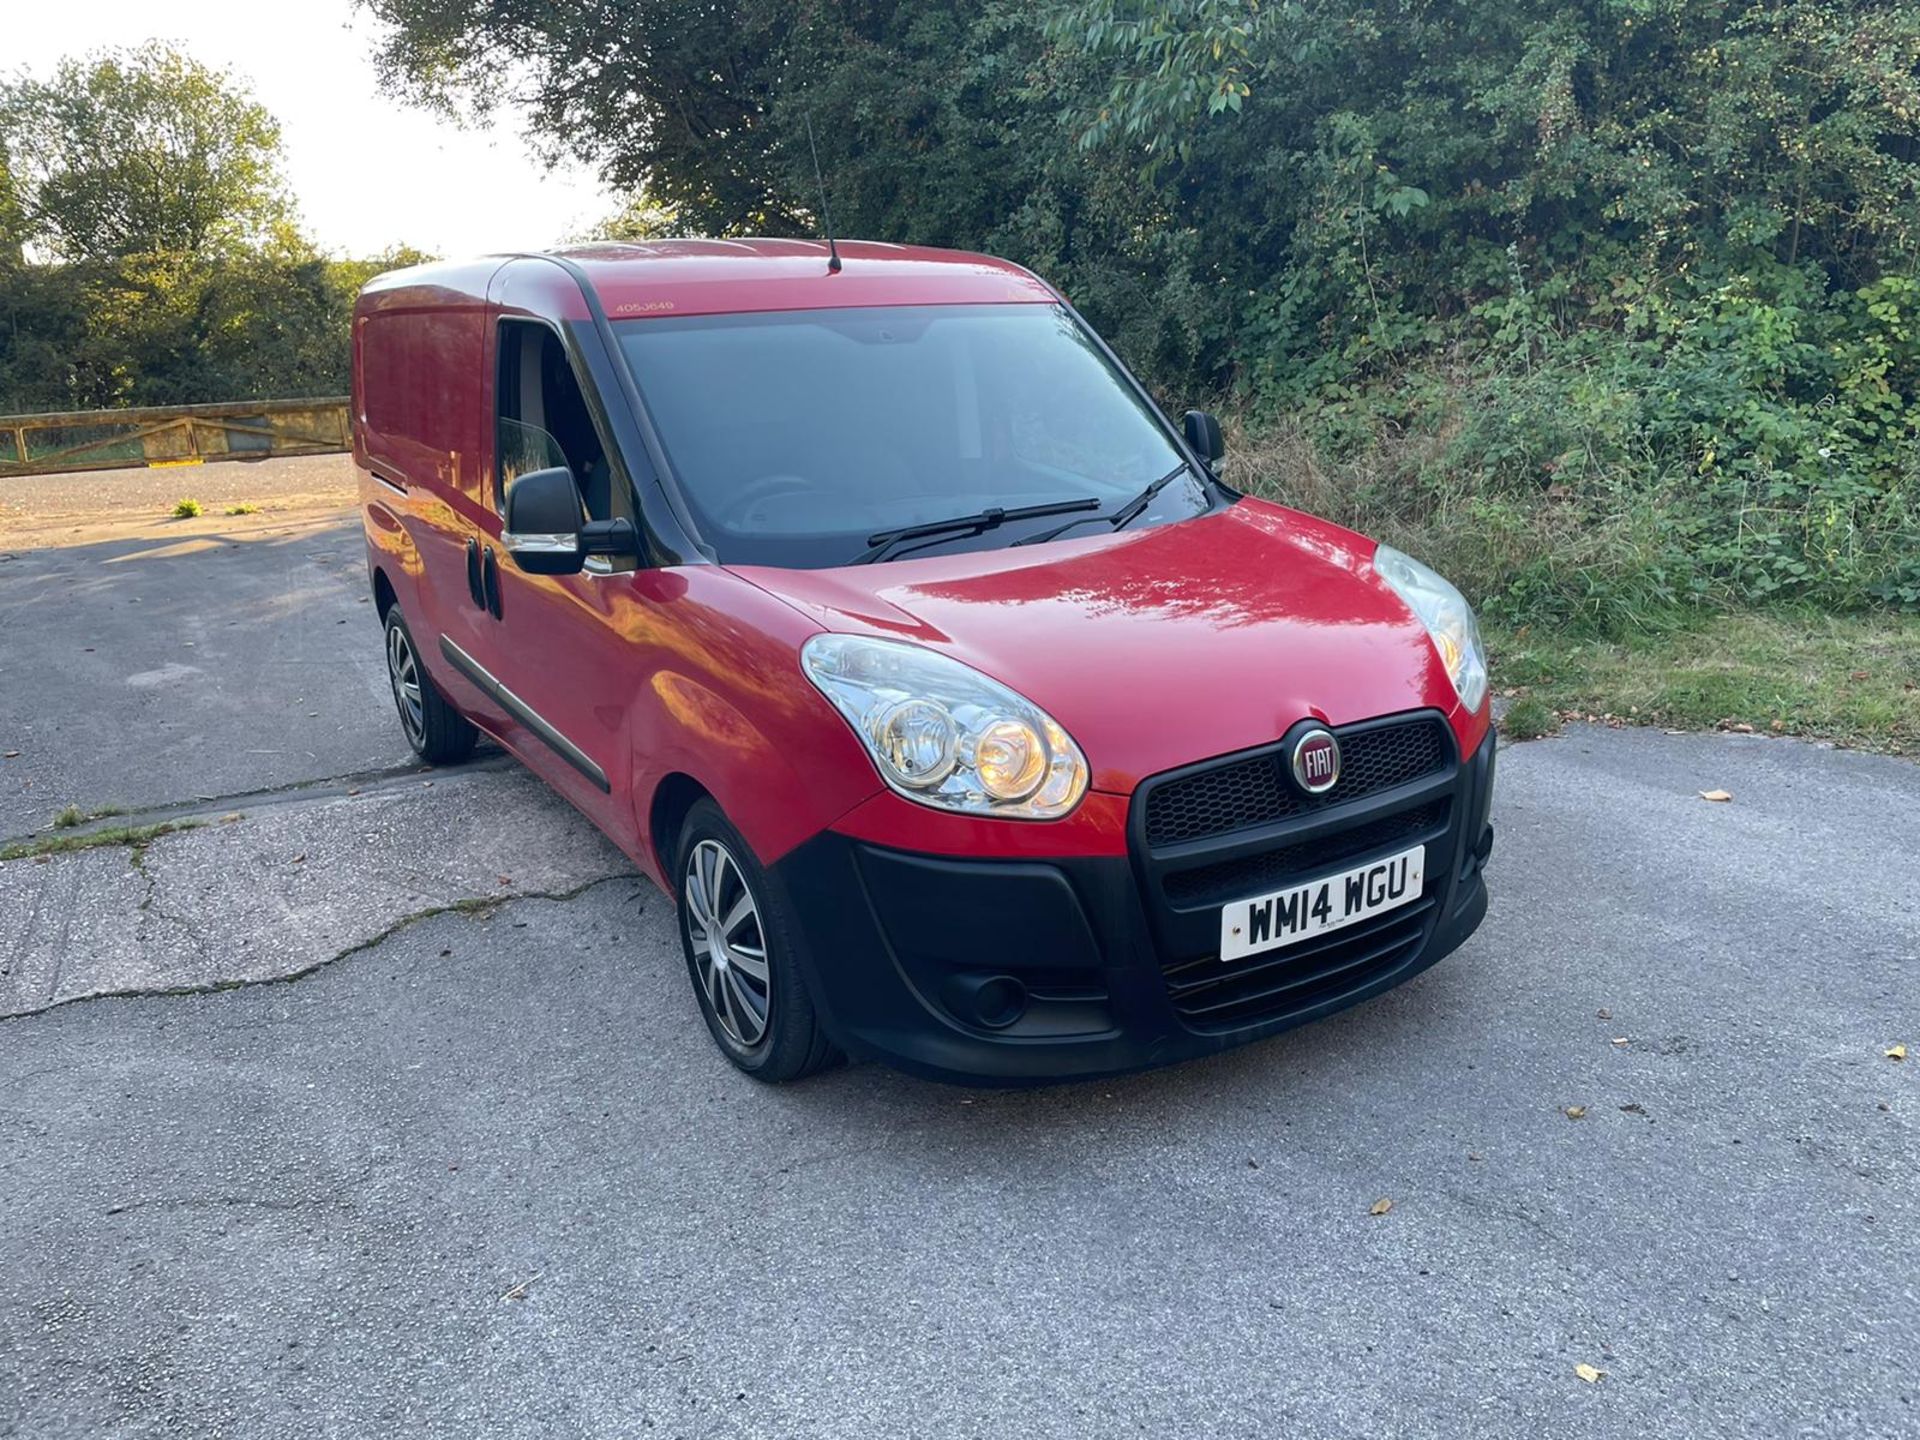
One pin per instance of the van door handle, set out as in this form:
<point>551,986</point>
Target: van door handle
<point>490,581</point>
<point>475,586</point>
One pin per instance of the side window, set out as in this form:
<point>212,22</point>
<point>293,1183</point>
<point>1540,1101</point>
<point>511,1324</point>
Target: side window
<point>542,420</point>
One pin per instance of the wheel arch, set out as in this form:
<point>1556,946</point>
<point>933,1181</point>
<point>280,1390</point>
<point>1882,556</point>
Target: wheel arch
<point>384,596</point>
<point>675,795</point>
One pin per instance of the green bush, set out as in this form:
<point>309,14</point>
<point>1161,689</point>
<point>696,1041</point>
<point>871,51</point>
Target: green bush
<point>1750,438</point>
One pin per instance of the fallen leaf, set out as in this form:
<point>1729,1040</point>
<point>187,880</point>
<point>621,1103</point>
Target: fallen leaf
<point>1575,1112</point>
<point>1604,1014</point>
<point>1863,674</point>
<point>1741,729</point>
<point>1896,1052</point>
<point>1475,1155</point>
<point>1633,1107</point>
<point>1719,797</point>
<point>229,819</point>
<point>1380,1207</point>
<point>1588,1373</point>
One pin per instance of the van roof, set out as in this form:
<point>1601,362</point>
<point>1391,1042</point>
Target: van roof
<point>705,277</point>
<point>717,277</point>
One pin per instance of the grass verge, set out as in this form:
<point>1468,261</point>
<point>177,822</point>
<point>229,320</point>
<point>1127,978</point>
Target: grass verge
<point>135,835</point>
<point>1852,679</point>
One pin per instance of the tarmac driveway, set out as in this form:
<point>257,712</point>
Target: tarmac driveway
<point>480,1171</point>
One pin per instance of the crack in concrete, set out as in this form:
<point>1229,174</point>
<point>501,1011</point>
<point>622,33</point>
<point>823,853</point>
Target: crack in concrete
<point>477,905</point>
<point>390,777</point>
<point>224,1202</point>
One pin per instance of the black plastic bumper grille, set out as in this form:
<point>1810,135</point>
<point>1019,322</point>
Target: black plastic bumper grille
<point>1240,794</point>
<point>1272,869</point>
<point>1212,996</point>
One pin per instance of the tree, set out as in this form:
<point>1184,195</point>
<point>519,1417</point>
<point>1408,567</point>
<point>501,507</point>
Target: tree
<point>141,151</point>
<point>663,93</point>
<point>13,229</point>
<point>936,122</point>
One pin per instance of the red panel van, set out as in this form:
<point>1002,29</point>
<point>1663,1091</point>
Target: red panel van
<point>883,619</point>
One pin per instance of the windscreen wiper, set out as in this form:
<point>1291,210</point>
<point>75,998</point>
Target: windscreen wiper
<point>879,543</point>
<point>1125,514</point>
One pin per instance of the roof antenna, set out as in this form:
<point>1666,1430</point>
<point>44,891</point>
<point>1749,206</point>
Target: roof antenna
<point>826,215</point>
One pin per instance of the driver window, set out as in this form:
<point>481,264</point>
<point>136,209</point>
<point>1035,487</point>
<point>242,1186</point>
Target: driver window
<point>542,420</point>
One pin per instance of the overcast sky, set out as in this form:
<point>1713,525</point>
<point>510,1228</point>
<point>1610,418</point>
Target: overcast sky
<point>367,172</point>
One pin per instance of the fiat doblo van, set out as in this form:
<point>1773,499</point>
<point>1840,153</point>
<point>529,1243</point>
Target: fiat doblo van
<point>882,618</point>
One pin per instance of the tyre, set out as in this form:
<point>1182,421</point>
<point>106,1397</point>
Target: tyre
<point>740,939</point>
<point>438,733</point>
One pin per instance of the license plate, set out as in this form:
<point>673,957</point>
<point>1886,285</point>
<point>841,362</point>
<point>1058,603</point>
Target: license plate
<point>1286,917</point>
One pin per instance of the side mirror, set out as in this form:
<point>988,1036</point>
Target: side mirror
<point>1203,434</point>
<point>541,526</point>
<point>545,533</point>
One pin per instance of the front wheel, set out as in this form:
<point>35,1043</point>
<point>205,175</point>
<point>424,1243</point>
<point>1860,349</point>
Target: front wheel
<point>739,940</point>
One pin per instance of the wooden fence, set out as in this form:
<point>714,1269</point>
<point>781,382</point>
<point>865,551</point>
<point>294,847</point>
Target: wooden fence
<point>170,435</point>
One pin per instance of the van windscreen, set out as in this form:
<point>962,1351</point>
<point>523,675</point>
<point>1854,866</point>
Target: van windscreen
<point>797,435</point>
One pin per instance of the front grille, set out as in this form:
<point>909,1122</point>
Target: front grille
<point>1238,827</point>
<point>1212,996</point>
<point>1271,869</point>
<point>1257,790</point>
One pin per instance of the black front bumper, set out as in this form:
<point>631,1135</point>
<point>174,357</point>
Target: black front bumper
<point>1011,971</point>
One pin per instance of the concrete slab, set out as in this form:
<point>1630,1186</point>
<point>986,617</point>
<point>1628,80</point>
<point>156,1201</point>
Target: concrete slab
<point>285,887</point>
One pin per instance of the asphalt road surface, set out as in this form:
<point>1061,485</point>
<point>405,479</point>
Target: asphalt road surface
<point>385,1107</point>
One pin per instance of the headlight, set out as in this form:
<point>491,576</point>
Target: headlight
<point>1447,616</point>
<point>945,735</point>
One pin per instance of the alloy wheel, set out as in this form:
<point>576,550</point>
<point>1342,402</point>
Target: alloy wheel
<point>729,943</point>
<point>404,671</point>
